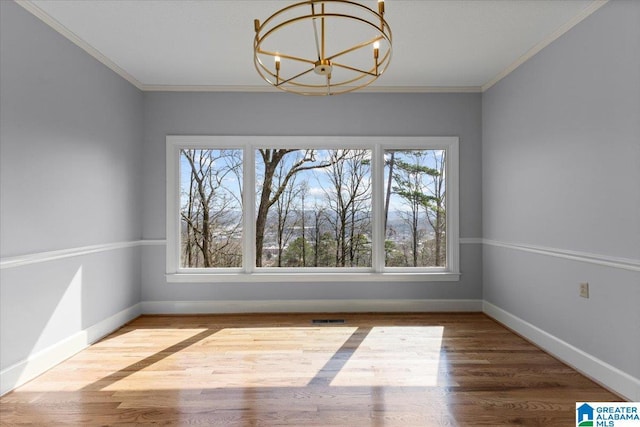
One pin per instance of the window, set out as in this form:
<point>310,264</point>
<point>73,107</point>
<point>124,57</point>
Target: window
<point>210,208</point>
<point>415,208</point>
<point>313,207</point>
<point>317,208</point>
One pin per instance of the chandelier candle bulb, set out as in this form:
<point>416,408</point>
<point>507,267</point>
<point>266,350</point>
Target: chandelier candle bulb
<point>381,7</point>
<point>376,53</point>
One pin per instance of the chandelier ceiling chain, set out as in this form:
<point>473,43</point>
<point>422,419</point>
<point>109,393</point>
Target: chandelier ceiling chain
<point>350,48</point>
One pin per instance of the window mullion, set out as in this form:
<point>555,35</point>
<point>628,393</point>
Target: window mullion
<point>249,210</point>
<point>452,207</point>
<point>377,179</point>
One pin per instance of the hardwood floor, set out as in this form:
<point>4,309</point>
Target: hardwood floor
<point>273,370</point>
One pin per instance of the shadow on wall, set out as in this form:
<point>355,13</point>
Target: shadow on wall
<point>40,306</point>
<point>49,310</point>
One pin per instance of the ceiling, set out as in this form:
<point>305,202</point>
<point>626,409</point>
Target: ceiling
<point>438,45</point>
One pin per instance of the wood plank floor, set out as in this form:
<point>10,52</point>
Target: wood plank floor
<point>274,370</point>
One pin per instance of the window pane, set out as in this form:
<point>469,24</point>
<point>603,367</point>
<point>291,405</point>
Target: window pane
<point>415,216</point>
<point>210,208</point>
<point>313,208</point>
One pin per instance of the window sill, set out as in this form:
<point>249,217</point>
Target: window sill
<point>312,277</point>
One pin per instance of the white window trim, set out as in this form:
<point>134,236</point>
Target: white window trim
<point>249,273</point>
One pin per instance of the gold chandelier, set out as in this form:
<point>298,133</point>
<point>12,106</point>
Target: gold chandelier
<point>322,47</point>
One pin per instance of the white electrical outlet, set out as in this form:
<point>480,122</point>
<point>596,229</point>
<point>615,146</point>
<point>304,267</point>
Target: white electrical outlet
<point>584,290</point>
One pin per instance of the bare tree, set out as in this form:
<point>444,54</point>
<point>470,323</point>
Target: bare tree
<point>337,204</point>
<point>349,199</point>
<point>210,212</point>
<point>191,259</point>
<point>284,206</point>
<point>390,163</point>
<point>319,218</point>
<point>358,189</point>
<point>271,192</point>
<point>303,189</point>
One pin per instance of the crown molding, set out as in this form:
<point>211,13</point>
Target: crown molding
<point>72,37</point>
<point>270,89</point>
<point>595,5</point>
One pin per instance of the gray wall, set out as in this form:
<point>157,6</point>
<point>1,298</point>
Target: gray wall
<point>561,170</point>
<point>70,154</point>
<point>284,114</point>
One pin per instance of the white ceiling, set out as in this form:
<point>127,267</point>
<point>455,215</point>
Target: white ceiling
<point>438,45</point>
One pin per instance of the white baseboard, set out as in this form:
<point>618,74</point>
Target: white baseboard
<point>309,306</point>
<point>36,364</point>
<point>613,378</point>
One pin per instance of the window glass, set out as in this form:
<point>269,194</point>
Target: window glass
<point>415,208</point>
<point>313,208</point>
<point>210,208</point>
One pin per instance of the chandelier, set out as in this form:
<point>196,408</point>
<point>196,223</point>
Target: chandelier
<point>322,47</point>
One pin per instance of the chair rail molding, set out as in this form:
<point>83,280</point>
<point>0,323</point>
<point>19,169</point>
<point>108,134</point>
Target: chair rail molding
<point>605,260</point>
<point>38,257</point>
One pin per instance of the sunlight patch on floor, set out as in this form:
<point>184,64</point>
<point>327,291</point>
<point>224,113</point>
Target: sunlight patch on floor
<point>395,356</point>
<point>115,356</point>
<point>169,359</point>
<point>242,357</point>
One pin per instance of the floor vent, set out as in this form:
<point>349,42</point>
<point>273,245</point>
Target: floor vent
<point>327,321</point>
